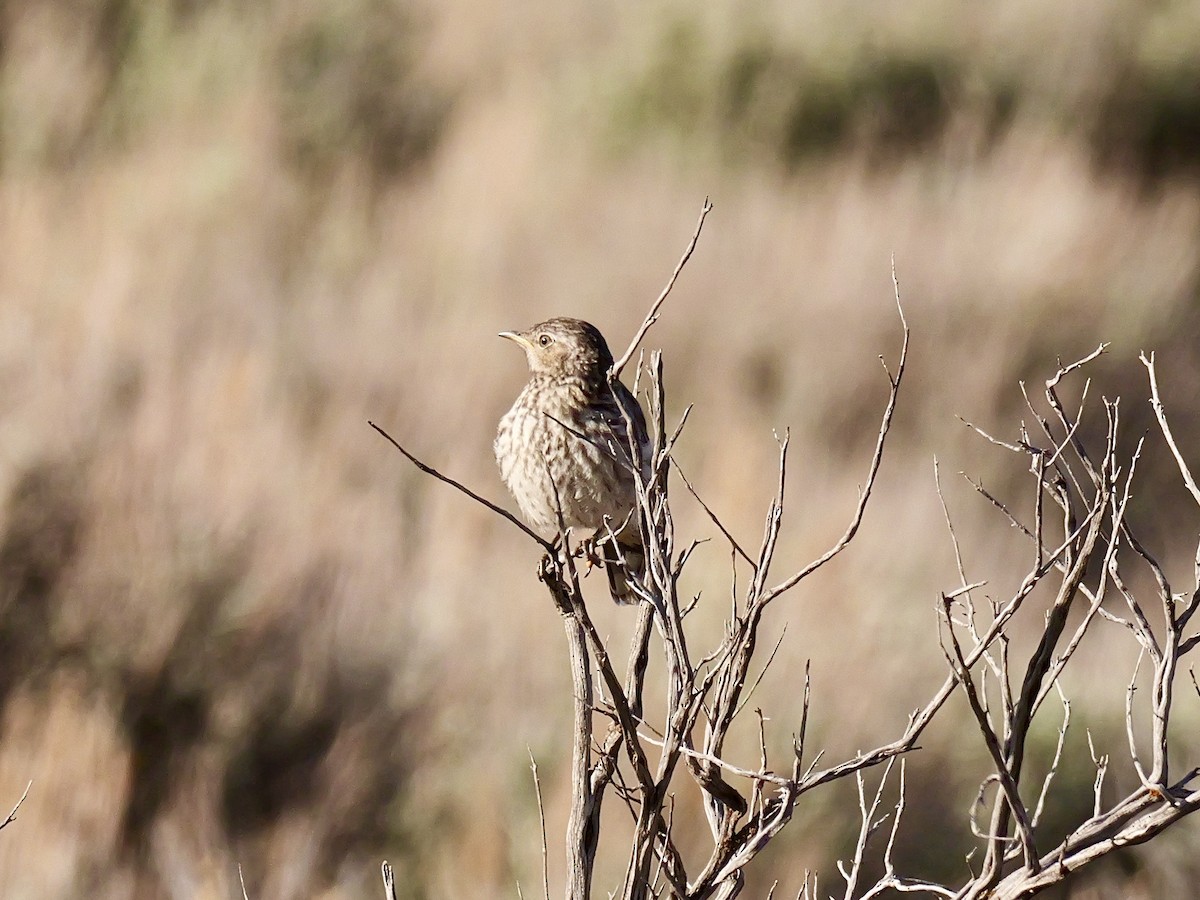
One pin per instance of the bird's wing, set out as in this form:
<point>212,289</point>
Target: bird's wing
<point>628,409</point>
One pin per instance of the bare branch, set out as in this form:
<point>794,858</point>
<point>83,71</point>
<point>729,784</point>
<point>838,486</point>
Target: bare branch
<point>1161,414</point>
<point>1064,371</point>
<point>866,829</point>
<point>652,316</point>
<point>500,511</point>
<point>1142,818</point>
<point>1101,763</point>
<point>537,786</point>
<point>713,516</point>
<point>640,759</point>
<point>389,882</point>
<point>1097,596</point>
<point>1004,771</point>
<point>1058,750</point>
<point>729,767</point>
<point>1129,692</point>
<point>758,680</point>
<point>12,815</point>
<point>872,470</point>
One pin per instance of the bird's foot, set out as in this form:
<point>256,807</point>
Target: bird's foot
<point>589,554</point>
<point>547,567</point>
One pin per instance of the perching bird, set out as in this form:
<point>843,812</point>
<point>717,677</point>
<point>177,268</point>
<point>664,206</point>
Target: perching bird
<point>564,445</point>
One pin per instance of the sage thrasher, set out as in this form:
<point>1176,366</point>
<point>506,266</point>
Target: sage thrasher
<point>564,449</point>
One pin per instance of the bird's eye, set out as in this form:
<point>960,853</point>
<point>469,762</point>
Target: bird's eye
<point>545,340</point>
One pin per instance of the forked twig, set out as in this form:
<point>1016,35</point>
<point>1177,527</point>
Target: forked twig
<point>389,882</point>
<point>872,470</point>
<point>12,816</point>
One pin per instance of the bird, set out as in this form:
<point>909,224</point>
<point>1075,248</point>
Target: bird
<point>564,448</point>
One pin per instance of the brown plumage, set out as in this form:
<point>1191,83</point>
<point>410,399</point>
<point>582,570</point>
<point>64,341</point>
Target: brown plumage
<point>564,445</point>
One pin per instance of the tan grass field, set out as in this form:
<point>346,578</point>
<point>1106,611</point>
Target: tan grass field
<point>237,628</point>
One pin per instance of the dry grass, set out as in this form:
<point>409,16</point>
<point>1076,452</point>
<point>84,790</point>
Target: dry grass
<point>241,629</point>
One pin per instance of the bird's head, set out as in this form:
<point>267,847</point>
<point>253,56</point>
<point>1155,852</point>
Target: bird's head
<point>564,348</point>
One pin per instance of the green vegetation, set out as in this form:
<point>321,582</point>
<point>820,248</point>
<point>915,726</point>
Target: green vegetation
<point>774,98</point>
<point>349,89</point>
<point>346,79</point>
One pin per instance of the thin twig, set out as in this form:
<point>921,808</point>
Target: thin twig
<point>537,786</point>
<point>1066,370</point>
<point>652,316</point>
<point>1161,414</point>
<point>1101,764</point>
<point>389,882</point>
<point>1007,778</point>
<point>767,665</point>
<point>498,510</point>
<point>1058,750</point>
<point>866,829</point>
<point>712,516</point>
<point>965,589</point>
<point>12,816</point>
<point>872,469</point>
<point>729,767</point>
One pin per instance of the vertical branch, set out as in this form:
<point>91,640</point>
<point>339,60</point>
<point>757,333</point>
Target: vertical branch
<point>581,839</point>
<point>866,828</point>
<point>1058,750</point>
<point>389,881</point>
<point>1165,668</point>
<point>1161,414</point>
<point>1004,773</point>
<point>1042,659</point>
<point>605,766</point>
<point>537,786</point>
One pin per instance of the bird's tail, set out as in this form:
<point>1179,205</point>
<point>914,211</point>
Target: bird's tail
<point>624,562</point>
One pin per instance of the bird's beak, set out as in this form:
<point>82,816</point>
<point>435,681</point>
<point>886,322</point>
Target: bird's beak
<point>515,337</point>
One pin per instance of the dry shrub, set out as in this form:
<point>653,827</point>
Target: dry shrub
<point>239,630</point>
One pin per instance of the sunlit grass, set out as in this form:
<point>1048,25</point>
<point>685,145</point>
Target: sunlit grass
<point>196,323</point>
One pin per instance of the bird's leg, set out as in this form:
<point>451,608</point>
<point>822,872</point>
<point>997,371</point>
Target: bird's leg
<point>588,552</point>
<point>583,550</point>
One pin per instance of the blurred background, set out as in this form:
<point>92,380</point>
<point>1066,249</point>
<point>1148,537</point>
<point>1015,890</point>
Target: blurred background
<point>236,627</point>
